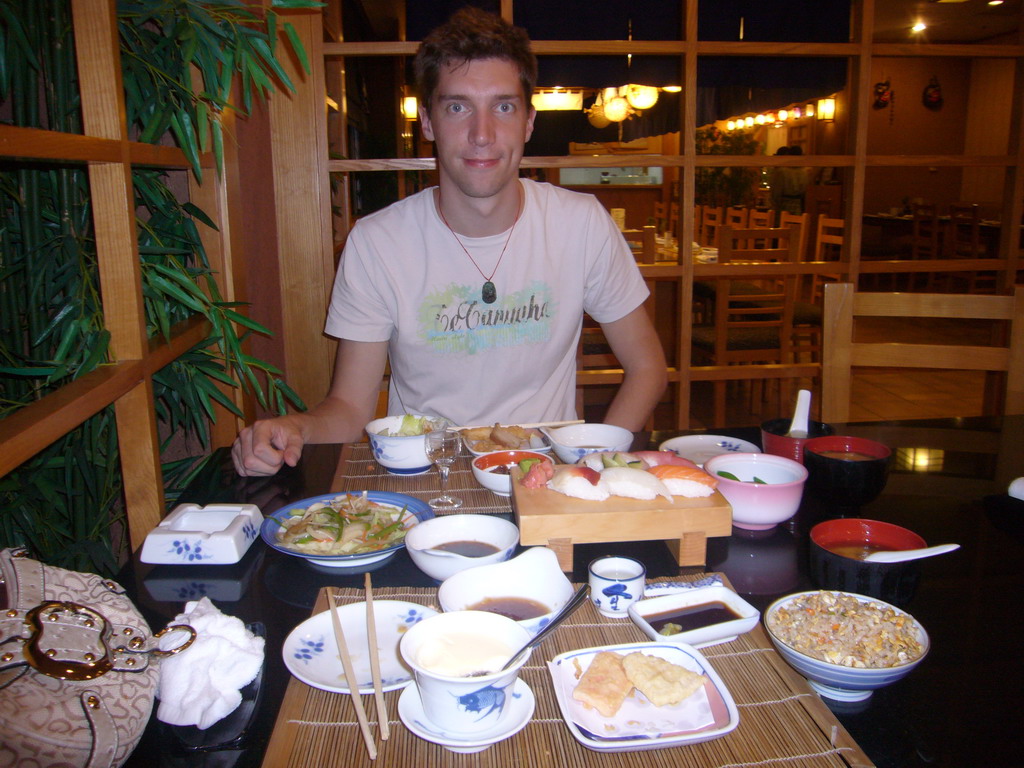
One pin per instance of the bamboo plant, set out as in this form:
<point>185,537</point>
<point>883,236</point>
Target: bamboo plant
<point>180,61</point>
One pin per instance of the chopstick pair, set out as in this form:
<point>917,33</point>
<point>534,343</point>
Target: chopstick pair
<point>350,677</point>
<point>531,426</point>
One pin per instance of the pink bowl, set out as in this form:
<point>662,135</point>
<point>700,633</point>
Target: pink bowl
<point>759,506</point>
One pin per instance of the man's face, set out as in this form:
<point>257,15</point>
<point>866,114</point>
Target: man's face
<point>479,122</point>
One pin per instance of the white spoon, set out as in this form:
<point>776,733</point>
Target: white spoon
<point>798,426</point>
<point>909,554</point>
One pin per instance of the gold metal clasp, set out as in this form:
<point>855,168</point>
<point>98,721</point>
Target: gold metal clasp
<point>56,624</point>
<point>175,628</point>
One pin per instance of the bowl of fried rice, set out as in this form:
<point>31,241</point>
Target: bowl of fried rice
<point>846,645</point>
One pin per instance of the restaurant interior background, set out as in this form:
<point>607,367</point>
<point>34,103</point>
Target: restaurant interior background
<point>932,116</point>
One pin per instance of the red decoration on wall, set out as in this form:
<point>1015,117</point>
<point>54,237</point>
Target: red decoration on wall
<point>932,95</point>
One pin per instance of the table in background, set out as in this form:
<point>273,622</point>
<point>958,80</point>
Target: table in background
<point>953,708</point>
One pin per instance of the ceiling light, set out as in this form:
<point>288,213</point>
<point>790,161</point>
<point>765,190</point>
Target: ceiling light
<point>678,88</point>
<point>409,107</point>
<point>919,27</point>
<point>557,99</point>
<point>641,96</point>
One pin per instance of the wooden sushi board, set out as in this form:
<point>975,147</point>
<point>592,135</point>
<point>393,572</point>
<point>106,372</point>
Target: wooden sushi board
<point>557,521</point>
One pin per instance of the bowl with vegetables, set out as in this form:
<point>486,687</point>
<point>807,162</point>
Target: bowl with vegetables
<point>763,490</point>
<point>345,530</point>
<point>399,443</point>
<point>494,470</point>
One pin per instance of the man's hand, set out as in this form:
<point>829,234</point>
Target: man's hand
<point>262,448</point>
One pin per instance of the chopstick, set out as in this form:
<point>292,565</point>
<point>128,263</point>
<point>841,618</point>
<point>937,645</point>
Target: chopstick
<point>530,426</point>
<point>350,676</point>
<point>371,641</point>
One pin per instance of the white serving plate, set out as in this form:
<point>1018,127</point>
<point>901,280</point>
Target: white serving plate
<point>412,715</point>
<point>416,511</point>
<point>212,535</point>
<point>700,448</point>
<point>311,653</point>
<point>701,637</point>
<point>639,725</point>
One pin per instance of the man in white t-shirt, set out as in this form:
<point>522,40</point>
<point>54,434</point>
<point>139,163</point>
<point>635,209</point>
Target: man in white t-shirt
<point>475,289</point>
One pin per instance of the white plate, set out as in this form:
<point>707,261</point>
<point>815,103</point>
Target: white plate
<point>700,448</point>
<point>639,725</point>
<point>311,654</point>
<point>747,616</point>
<point>544,447</point>
<point>410,710</point>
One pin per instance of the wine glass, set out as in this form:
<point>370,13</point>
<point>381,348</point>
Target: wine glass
<point>443,447</point>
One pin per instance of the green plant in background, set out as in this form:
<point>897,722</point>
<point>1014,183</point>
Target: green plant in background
<point>65,503</point>
<point>726,186</point>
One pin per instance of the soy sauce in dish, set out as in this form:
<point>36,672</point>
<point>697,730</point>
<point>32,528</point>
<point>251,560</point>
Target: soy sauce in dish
<point>516,608</point>
<point>468,548</point>
<point>691,617</point>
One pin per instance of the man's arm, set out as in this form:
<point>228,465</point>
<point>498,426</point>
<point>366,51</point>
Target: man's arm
<point>638,349</point>
<point>262,448</point>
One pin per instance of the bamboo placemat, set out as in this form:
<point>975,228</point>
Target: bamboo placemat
<point>358,471</point>
<point>782,722</point>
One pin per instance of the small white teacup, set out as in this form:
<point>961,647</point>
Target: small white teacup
<point>455,657</point>
<point>615,584</point>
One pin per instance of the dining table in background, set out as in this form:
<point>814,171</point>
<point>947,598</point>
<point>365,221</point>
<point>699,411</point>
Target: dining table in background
<point>948,483</point>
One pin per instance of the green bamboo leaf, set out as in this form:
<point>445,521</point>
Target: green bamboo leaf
<point>166,286</point>
<point>300,51</point>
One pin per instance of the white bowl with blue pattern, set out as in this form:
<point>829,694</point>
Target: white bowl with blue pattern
<point>311,653</point>
<point>575,441</point>
<point>398,454</point>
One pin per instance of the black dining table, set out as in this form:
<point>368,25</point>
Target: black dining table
<point>948,482</point>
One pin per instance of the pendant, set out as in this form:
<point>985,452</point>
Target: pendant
<point>489,292</point>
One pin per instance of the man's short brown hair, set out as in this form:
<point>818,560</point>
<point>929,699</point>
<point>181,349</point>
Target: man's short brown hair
<point>472,34</point>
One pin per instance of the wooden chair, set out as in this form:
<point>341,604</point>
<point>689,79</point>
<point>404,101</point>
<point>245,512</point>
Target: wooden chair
<point>962,240</point>
<point>747,318</point>
<point>736,217</point>
<point>758,219</point>
<point>752,324</point>
<point>925,244</point>
<point>843,305</point>
<point>643,242</point>
<point>711,222</point>
<point>787,219</point>
<point>828,245</point>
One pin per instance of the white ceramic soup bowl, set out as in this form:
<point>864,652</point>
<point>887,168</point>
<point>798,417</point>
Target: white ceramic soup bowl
<point>533,575</point>
<point>575,441</point>
<point>398,454</point>
<point>448,531</point>
<point>485,464</point>
<point>763,490</point>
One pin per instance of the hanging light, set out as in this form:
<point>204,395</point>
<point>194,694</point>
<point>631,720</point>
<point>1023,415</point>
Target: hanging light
<point>409,107</point>
<point>731,125</point>
<point>617,109</point>
<point>641,96</point>
<point>783,115</point>
<point>826,110</point>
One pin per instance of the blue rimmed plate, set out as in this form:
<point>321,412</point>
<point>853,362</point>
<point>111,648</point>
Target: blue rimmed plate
<point>416,511</point>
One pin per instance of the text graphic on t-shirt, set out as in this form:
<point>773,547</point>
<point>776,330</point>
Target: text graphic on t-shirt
<point>462,323</point>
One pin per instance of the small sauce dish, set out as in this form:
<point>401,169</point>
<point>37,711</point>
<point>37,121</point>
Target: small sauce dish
<point>705,615</point>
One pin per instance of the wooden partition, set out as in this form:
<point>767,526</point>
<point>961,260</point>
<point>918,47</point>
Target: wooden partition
<point>860,52</point>
<point>127,381</point>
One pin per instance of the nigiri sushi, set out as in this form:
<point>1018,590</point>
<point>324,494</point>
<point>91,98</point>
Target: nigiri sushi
<point>658,458</point>
<point>580,482</point>
<point>538,475</point>
<point>604,459</point>
<point>633,483</point>
<point>691,482</point>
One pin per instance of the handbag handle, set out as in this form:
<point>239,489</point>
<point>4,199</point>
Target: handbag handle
<point>62,624</point>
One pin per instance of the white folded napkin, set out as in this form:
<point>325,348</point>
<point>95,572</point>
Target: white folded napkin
<point>202,684</point>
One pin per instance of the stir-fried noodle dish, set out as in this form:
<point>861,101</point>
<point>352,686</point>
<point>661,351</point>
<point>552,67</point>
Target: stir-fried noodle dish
<point>344,525</point>
<point>840,629</point>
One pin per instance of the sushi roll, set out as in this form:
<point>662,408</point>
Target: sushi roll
<point>691,482</point>
<point>580,482</point>
<point>634,483</point>
<point>604,459</point>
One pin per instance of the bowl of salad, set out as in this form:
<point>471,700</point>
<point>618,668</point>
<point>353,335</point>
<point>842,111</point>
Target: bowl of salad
<point>399,443</point>
<point>345,530</point>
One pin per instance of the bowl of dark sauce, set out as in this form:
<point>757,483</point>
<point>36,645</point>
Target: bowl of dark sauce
<point>453,543</point>
<point>699,617</point>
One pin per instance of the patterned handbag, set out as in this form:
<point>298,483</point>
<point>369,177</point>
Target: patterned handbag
<point>78,671</point>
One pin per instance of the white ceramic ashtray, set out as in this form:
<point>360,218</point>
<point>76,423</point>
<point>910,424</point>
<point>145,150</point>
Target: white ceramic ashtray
<point>702,617</point>
<point>212,535</point>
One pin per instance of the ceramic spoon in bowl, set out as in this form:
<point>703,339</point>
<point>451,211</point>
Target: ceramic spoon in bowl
<point>799,425</point>
<point>567,610</point>
<point>898,556</point>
